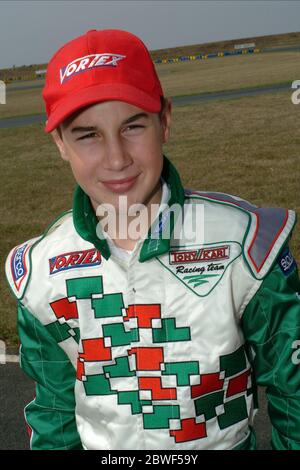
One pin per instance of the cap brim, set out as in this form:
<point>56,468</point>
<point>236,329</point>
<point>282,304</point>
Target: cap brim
<point>99,93</point>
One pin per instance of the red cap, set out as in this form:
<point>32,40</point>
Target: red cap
<point>100,66</point>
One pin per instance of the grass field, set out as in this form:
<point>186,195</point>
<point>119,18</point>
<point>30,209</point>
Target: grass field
<point>185,78</point>
<point>229,73</point>
<point>249,147</point>
<point>22,102</point>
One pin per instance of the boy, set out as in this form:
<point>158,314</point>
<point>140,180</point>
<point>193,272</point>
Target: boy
<point>151,340</point>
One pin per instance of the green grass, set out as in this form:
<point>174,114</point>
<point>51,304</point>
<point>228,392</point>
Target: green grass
<point>229,73</point>
<point>247,146</point>
<point>22,103</point>
<point>27,83</point>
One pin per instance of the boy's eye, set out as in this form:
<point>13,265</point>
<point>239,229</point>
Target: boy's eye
<point>87,136</point>
<point>130,128</point>
<point>133,127</point>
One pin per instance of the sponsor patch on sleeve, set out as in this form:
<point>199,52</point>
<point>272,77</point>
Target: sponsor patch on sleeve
<point>286,262</point>
<point>19,268</point>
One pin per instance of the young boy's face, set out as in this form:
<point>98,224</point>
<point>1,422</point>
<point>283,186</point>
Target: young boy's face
<point>115,149</point>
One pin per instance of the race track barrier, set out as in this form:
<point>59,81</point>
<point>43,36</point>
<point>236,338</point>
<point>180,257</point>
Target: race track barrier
<point>187,58</point>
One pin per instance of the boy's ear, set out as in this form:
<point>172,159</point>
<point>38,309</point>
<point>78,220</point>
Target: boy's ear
<point>166,119</point>
<point>57,137</point>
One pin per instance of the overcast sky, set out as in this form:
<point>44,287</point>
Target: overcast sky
<point>31,31</point>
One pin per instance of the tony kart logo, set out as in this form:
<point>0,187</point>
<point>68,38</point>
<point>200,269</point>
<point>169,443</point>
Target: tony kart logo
<point>89,62</point>
<point>201,268</point>
<point>200,255</point>
<point>75,259</point>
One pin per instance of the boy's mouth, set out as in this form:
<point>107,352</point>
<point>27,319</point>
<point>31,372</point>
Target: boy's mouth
<point>121,185</point>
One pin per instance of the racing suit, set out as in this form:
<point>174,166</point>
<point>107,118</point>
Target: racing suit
<point>162,350</point>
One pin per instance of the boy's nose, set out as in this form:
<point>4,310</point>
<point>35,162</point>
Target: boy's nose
<point>116,156</point>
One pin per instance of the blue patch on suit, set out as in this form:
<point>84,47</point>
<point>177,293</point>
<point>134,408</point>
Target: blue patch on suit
<point>18,264</point>
<point>286,262</point>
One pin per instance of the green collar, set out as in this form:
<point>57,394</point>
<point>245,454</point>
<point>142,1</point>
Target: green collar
<point>86,222</point>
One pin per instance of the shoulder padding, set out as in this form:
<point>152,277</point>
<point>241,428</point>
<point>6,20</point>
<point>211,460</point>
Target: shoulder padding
<point>18,263</point>
<point>268,230</point>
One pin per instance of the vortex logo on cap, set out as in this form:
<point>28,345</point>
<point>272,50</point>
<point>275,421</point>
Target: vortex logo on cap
<point>89,62</point>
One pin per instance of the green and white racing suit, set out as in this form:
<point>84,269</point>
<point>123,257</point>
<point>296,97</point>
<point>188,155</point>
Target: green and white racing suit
<point>161,350</point>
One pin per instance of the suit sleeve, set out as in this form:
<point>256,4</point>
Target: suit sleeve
<point>51,415</point>
<point>271,325</point>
